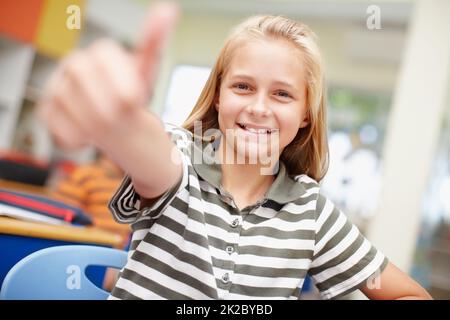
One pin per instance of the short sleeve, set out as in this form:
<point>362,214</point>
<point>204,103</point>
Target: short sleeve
<point>125,205</point>
<point>343,258</point>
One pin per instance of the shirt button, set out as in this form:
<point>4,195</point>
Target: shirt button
<point>229,249</point>
<point>225,278</point>
<point>235,223</point>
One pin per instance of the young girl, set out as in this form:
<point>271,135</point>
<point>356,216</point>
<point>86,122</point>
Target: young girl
<point>213,218</point>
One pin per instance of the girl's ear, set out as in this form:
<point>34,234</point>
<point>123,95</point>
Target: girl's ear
<point>305,121</point>
<point>216,103</point>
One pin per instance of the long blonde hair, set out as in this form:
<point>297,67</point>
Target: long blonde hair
<point>308,152</point>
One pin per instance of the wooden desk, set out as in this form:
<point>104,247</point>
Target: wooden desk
<point>90,235</point>
<point>66,233</point>
<point>20,238</point>
<point>23,187</point>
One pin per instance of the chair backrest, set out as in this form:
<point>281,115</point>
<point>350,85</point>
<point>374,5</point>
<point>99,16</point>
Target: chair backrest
<point>59,273</point>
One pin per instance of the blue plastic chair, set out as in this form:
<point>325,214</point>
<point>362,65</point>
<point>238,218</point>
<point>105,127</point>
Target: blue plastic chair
<point>59,273</point>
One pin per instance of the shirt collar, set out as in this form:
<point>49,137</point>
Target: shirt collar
<point>284,189</point>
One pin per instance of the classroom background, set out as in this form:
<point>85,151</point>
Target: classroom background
<point>387,68</point>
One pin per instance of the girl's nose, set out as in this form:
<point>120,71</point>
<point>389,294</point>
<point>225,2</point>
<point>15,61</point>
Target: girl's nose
<point>259,107</point>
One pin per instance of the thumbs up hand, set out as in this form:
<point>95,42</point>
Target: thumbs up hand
<point>97,93</point>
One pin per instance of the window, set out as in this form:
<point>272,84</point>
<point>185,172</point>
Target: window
<point>185,87</point>
<point>357,123</point>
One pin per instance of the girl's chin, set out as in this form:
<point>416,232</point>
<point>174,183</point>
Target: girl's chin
<point>252,149</point>
<point>254,153</point>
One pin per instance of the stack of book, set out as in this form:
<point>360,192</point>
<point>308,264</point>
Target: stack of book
<point>40,209</point>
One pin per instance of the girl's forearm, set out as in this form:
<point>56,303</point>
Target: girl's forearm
<point>144,151</point>
<point>423,296</point>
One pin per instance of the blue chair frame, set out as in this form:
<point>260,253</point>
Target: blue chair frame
<point>59,273</point>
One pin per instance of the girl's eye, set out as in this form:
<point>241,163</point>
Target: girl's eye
<point>283,94</point>
<point>241,86</point>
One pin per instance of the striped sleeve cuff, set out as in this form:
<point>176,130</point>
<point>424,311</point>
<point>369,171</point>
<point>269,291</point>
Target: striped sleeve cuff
<point>367,275</point>
<point>343,258</point>
<point>125,205</point>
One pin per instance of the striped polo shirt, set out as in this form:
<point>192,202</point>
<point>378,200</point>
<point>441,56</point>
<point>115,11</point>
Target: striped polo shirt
<point>194,243</point>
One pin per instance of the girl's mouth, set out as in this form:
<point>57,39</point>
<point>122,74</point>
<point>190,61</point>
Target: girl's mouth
<point>255,130</point>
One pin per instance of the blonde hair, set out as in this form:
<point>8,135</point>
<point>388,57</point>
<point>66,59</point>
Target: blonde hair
<point>308,152</point>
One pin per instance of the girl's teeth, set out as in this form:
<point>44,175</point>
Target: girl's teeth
<point>258,131</point>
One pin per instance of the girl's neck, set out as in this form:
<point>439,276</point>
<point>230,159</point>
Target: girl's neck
<point>245,181</point>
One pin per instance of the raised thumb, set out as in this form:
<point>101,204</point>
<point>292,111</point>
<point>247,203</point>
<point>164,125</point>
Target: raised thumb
<point>160,22</point>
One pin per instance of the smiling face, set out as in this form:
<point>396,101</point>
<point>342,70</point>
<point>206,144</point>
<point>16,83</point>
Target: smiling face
<point>262,97</point>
